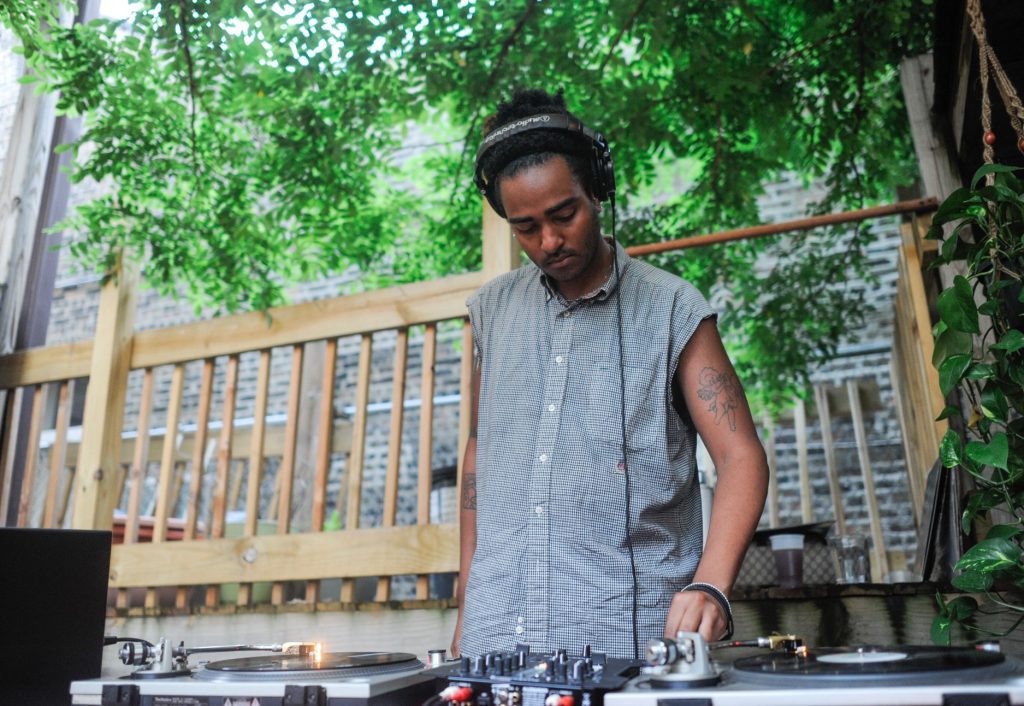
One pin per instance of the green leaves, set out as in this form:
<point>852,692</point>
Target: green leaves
<point>951,449</point>
<point>957,308</point>
<point>993,453</point>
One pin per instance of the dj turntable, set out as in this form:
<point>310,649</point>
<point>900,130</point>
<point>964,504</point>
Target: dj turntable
<point>681,673</point>
<point>300,676</point>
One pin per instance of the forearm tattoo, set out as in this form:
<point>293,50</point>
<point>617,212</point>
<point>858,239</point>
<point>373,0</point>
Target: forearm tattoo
<point>722,392</point>
<point>469,491</point>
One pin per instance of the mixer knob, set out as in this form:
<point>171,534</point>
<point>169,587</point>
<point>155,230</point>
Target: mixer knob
<point>560,670</point>
<point>560,656</point>
<point>464,665</point>
<point>478,666</point>
<point>521,659</point>
<point>578,670</point>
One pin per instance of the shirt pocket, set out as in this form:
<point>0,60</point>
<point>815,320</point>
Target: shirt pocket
<point>632,394</point>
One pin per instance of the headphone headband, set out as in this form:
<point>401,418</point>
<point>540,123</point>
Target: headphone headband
<point>599,156</point>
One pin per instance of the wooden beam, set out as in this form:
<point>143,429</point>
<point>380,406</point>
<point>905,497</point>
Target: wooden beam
<point>323,453</point>
<point>57,450</point>
<point>500,249</point>
<point>426,453</point>
<point>413,549</point>
<point>394,463</point>
<point>32,455</point>
<point>99,457</point>
<point>12,405</point>
<point>880,567</point>
<point>255,476</point>
<point>286,471</point>
<point>831,467</point>
<point>165,499</point>
<point>831,219</point>
<point>354,467</point>
<point>392,308</point>
<point>806,496</point>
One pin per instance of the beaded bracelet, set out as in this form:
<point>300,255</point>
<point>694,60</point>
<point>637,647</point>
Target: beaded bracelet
<point>720,598</point>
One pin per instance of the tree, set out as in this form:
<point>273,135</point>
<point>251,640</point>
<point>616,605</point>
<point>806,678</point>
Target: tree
<point>253,143</point>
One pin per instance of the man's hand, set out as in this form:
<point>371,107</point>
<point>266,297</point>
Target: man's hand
<point>695,611</point>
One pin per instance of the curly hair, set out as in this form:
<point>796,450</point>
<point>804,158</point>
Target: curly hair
<point>535,147</point>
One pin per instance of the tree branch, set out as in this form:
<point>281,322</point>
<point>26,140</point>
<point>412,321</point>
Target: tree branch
<point>618,37</point>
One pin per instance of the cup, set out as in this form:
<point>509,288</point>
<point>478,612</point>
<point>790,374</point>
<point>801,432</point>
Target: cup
<point>850,558</point>
<point>789,559</point>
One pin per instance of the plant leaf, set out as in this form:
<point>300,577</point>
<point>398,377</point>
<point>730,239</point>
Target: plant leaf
<point>951,450</point>
<point>994,404</point>
<point>957,308</point>
<point>1012,340</point>
<point>994,453</point>
<point>987,169</point>
<point>1004,532</point>
<point>973,581</point>
<point>951,371</point>
<point>990,556</point>
<point>948,412</point>
<point>951,342</point>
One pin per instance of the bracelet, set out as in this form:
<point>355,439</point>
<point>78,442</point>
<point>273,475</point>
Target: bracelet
<point>720,598</point>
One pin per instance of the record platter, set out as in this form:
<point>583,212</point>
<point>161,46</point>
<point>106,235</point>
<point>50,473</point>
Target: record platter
<point>301,675</point>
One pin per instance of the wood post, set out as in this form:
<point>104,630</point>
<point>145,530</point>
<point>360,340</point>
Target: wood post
<point>880,567</point>
<point>100,452</point>
<point>500,249</point>
<point>829,447</point>
<point>800,423</point>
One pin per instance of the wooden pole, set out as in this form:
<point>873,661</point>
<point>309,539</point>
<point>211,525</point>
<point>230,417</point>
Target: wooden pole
<point>806,498</point>
<point>880,568</point>
<point>394,446</point>
<point>100,452</point>
<point>827,442</point>
<point>425,463</point>
<point>500,249</point>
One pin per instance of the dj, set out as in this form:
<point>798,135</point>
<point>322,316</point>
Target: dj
<point>594,372</point>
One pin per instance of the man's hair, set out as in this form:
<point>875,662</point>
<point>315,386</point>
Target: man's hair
<point>513,154</point>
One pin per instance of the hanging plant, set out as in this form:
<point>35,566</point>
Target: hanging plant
<point>979,351</point>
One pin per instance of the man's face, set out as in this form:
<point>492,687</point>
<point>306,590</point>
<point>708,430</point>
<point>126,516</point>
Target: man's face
<point>556,223</point>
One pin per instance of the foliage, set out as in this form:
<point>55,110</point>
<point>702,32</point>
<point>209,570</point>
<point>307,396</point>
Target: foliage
<point>250,144</point>
<point>979,351</point>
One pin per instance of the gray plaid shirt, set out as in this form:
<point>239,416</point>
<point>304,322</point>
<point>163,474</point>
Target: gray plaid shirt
<point>551,567</point>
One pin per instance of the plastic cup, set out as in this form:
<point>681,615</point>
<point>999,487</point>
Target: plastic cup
<point>850,558</point>
<point>788,550</point>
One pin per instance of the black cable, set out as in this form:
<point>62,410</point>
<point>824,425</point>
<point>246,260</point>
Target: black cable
<point>622,420</point>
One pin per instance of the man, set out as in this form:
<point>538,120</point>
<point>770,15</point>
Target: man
<point>581,518</point>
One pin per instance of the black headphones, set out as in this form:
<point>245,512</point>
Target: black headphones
<point>599,156</point>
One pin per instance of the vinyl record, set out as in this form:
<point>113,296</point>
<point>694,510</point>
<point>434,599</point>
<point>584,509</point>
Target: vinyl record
<point>871,665</point>
<point>333,665</point>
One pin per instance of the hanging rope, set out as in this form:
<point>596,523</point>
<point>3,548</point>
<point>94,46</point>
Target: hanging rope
<point>988,63</point>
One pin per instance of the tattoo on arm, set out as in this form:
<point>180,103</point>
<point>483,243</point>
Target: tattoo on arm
<point>469,491</point>
<point>721,392</point>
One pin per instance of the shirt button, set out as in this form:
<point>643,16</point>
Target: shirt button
<point>539,509</point>
<point>543,458</point>
<point>559,359</point>
<point>520,620</point>
<point>551,408</point>
<point>519,629</point>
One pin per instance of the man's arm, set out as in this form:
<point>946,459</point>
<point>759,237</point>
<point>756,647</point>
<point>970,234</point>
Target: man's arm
<point>718,407</point>
<point>467,508</point>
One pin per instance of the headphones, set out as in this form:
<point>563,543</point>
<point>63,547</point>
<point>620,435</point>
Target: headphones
<point>598,156</point>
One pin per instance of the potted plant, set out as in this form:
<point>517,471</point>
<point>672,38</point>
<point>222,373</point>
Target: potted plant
<point>979,351</point>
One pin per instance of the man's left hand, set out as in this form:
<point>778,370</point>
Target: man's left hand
<point>695,611</point>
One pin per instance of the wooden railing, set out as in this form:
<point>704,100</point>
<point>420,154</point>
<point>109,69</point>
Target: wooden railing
<point>212,455</point>
<point>167,439</point>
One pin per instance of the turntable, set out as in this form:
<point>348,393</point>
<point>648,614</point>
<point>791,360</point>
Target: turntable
<point>680,674</point>
<point>300,675</point>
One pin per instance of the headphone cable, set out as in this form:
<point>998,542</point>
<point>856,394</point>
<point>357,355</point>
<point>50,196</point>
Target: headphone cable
<point>622,420</point>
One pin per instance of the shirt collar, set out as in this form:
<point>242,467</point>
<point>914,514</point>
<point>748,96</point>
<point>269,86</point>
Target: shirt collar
<point>622,259</point>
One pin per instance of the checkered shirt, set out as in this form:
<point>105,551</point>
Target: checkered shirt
<point>551,567</point>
